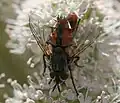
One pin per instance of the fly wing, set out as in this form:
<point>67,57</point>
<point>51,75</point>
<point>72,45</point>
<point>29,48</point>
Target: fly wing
<point>40,33</point>
<point>86,35</point>
<point>87,32</point>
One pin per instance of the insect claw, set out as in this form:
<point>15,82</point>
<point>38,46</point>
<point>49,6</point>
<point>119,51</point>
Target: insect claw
<point>80,66</point>
<point>76,62</point>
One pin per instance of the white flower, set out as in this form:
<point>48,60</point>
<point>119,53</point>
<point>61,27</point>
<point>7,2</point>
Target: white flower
<point>12,100</point>
<point>84,99</point>
<point>2,75</point>
<point>29,101</point>
<point>96,71</point>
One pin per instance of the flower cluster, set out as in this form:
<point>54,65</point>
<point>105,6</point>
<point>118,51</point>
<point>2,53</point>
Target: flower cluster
<point>97,80</point>
<point>33,93</point>
<point>2,75</point>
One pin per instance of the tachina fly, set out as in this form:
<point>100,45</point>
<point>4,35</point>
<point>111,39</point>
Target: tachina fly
<point>61,48</point>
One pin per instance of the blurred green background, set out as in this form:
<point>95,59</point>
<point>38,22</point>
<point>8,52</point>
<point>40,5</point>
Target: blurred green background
<point>14,66</point>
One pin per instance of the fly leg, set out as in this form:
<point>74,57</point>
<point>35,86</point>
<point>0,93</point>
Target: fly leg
<point>50,81</point>
<point>71,76</point>
<point>76,60</point>
<point>44,62</point>
<point>58,88</point>
<point>54,87</point>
